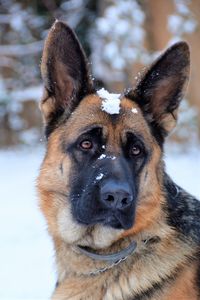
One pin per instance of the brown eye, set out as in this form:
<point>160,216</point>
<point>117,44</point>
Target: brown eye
<point>86,145</point>
<point>136,150</point>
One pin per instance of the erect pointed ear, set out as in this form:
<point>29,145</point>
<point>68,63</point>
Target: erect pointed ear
<point>64,72</point>
<point>161,89</point>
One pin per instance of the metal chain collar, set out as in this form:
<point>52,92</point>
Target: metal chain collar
<point>102,270</point>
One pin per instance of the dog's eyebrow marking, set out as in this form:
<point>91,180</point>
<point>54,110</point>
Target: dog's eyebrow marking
<point>110,102</point>
<point>88,129</point>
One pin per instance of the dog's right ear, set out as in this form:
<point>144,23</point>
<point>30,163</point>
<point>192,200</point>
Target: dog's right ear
<point>65,73</point>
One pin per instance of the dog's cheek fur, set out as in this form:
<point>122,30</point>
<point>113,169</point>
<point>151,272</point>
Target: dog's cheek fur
<point>53,187</point>
<point>101,237</point>
<point>70,231</point>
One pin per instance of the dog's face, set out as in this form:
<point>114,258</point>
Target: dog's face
<point>102,174</point>
<point>107,155</point>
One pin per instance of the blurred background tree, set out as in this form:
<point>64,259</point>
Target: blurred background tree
<point>120,37</point>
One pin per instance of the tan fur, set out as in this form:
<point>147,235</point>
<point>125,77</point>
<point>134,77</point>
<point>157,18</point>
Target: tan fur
<point>184,287</point>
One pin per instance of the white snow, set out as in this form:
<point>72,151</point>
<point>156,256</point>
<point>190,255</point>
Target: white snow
<point>175,22</point>
<point>134,110</point>
<point>182,7</point>
<point>100,176</point>
<point>110,102</point>
<point>111,157</point>
<point>182,22</point>
<point>27,258</point>
<point>32,92</point>
<point>102,156</point>
<point>19,50</point>
<point>17,22</point>
<point>190,26</point>
<point>54,24</point>
<point>118,40</point>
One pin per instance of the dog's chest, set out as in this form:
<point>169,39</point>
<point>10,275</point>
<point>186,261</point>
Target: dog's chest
<point>145,277</point>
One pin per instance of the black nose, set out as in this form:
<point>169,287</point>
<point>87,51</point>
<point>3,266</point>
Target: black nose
<point>116,195</point>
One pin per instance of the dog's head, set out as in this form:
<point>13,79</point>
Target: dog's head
<point>102,173</point>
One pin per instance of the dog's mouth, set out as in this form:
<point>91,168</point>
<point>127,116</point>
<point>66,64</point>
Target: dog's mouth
<point>115,220</point>
<point>110,257</point>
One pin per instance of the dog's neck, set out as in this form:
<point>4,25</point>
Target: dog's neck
<point>71,262</point>
<point>114,259</point>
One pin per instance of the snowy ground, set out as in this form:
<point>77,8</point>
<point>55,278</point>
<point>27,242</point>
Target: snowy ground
<point>26,252</point>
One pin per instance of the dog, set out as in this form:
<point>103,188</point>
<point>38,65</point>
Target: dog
<point>121,228</point>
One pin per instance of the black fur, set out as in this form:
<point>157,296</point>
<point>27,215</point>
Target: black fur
<point>183,211</point>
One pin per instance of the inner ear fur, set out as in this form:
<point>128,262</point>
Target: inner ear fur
<point>64,71</point>
<point>162,87</point>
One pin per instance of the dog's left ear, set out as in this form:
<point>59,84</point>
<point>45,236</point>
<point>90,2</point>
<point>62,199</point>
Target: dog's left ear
<point>162,87</point>
<point>64,71</point>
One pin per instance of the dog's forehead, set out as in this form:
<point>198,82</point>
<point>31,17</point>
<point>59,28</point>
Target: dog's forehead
<point>123,115</point>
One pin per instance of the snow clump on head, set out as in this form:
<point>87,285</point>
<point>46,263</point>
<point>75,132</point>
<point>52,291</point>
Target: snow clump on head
<point>110,102</point>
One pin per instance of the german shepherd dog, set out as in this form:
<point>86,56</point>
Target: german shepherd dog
<point>122,229</point>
